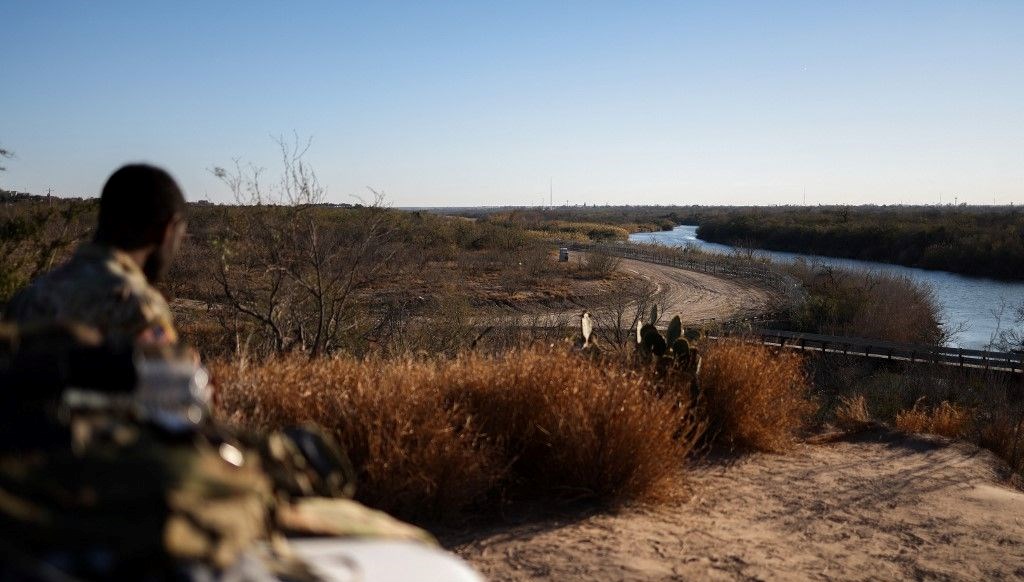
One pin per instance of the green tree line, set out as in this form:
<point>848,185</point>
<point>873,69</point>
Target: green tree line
<point>979,242</point>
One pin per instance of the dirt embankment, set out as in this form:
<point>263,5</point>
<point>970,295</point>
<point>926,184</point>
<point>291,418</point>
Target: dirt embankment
<point>699,297</point>
<point>882,507</point>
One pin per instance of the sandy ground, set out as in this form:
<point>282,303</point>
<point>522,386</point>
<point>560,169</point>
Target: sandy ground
<point>698,297</point>
<point>880,507</point>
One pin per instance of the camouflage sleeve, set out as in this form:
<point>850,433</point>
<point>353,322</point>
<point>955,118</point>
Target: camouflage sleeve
<point>154,324</point>
<point>103,291</point>
<point>132,310</point>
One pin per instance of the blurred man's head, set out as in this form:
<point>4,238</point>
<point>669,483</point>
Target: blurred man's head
<point>142,210</point>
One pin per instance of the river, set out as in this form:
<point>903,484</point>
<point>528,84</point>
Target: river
<point>969,301</point>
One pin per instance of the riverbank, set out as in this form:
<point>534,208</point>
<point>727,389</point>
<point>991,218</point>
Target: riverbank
<point>976,241</point>
<point>978,309</point>
<point>985,241</point>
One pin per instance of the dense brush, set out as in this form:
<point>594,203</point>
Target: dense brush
<point>430,438</point>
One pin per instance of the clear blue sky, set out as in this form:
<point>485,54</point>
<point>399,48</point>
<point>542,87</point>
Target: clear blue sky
<point>481,103</point>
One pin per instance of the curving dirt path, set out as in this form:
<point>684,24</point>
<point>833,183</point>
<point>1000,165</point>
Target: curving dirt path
<point>882,507</point>
<point>699,297</point>
<point>696,297</point>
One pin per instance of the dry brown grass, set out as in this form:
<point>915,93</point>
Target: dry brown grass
<point>950,420</point>
<point>430,438</point>
<point>913,420</point>
<point>978,406</point>
<point>599,265</point>
<point>852,412</point>
<point>946,419</point>
<point>1003,434</point>
<point>756,398</point>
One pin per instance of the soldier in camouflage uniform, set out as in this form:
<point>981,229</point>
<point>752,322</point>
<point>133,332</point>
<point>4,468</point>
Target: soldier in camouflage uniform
<point>108,282</point>
<point>136,498</point>
<point>120,492</point>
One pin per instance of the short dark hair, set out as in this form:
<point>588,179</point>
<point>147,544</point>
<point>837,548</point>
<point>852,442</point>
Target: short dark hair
<point>137,202</point>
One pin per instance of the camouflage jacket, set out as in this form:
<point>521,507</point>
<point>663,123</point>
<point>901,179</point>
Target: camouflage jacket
<point>149,500</point>
<point>102,287</point>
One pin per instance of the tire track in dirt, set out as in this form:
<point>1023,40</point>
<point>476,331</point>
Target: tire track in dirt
<point>696,297</point>
<point>699,297</point>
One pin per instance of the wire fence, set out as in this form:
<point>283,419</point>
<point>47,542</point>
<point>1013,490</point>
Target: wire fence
<point>912,353</point>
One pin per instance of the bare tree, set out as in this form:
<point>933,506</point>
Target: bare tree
<point>617,318</point>
<point>295,266</point>
<point>1010,338</point>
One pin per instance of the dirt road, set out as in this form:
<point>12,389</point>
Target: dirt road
<point>698,297</point>
<point>884,507</point>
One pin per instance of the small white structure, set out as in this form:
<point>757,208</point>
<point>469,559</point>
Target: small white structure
<point>563,255</point>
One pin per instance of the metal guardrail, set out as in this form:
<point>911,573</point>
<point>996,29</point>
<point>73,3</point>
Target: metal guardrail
<point>912,353</point>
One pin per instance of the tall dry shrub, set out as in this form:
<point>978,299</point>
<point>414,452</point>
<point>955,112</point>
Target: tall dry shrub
<point>870,304</point>
<point>432,437</point>
<point>946,419</point>
<point>852,412</point>
<point>414,455</point>
<point>1003,434</point>
<point>570,425</point>
<point>597,265</point>
<point>756,398</point>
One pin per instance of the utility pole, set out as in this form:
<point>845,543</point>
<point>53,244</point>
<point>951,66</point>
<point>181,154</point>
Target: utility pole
<point>551,191</point>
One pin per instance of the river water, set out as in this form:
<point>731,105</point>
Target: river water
<point>972,302</point>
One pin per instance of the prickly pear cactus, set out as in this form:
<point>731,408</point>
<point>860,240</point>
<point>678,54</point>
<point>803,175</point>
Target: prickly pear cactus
<point>675,329</point>
<point>680,350</point>
<point>587,342</point>
<point>671,355</point>
<point>651,342</point>
<point>671,350</point>
<point>586,328</point>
